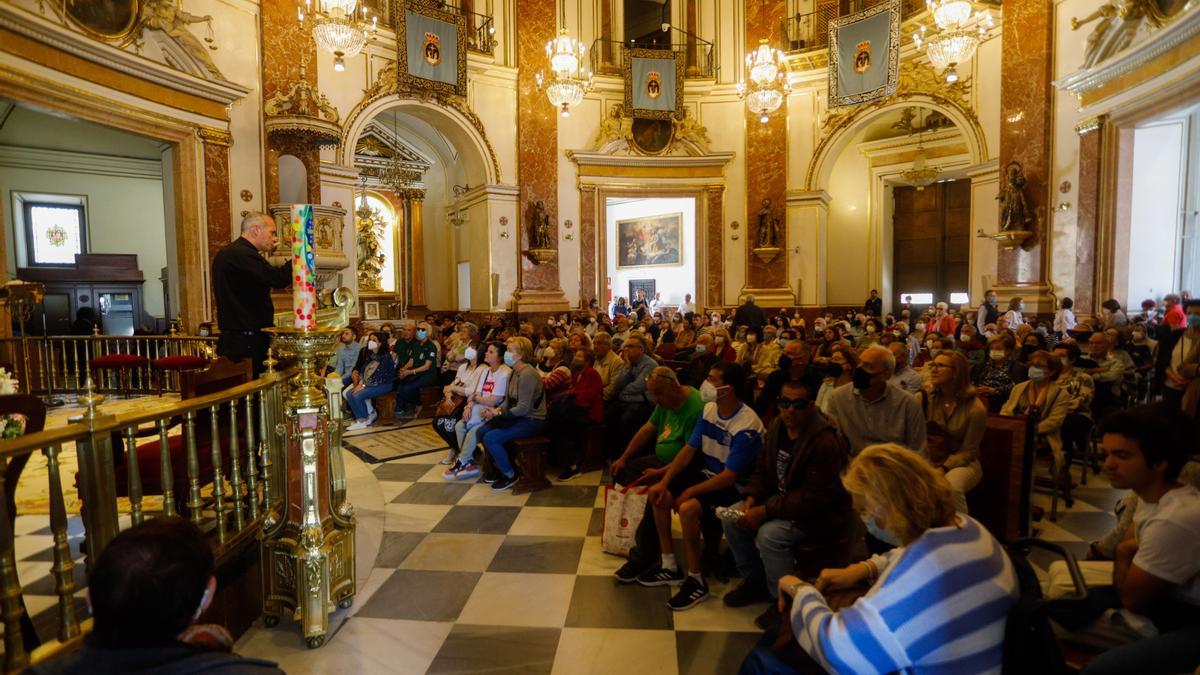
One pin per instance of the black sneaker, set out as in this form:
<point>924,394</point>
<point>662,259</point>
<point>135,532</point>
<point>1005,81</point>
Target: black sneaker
<point>489,478</point>
<point>629,572</point>
<point>770,618</point>
<point>747,593</point>
<point>660,576</point>
<point>569,473</point>
<point>691,593</point>
<point>503,483</point>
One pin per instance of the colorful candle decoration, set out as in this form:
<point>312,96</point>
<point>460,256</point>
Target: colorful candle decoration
<point>304,268</point>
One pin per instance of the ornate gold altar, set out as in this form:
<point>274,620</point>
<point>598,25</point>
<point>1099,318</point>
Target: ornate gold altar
<point>308,550</point>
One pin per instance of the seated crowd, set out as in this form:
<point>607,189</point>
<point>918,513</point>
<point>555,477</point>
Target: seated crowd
<point>789,438</point>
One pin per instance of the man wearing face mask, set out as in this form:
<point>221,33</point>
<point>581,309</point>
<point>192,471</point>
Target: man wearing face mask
<point>146,591</point>
<point>793,493</point>
<point>608,363</point>
<point>1143,351</point>
<point>766,360</point>
<point>794,365</point>
<point>871,410</point>
<point>701,360</point>
<point>418,372</point>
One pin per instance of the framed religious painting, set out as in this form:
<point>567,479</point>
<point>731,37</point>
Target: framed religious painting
<point>864,55</point>
<point>654,83</point>
<point>371,310</point>
<point>651,137</point>
<point>431,48</point>
<point>651,241</point>
<point>104,19</point>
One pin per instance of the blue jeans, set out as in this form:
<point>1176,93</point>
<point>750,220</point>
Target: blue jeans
<point>358,399</point>
<point>766,555</point>
<point>493,440</point>
<point>408,390</point>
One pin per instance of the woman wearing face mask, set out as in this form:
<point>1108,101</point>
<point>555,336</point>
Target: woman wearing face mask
<point>375,378</point>
<point>748,353</point>
<point>1013,318</point>
<point>871,332</point>
<point>1143,351</point>
<point>839,371</point>
<point>994,378</point>
<point>418,373</point>
<point>723,345</point>
<point>489,391</point>
<point>521,415</point>
<point>1111,314</point>
<point>555,368</point>
<point>572,413</point>
<point>454,398</point>
<point>943,562</point>
<point>1041,397</point>
<point>1182,384</point>
<point>930,346</point>
<point>957,418</point>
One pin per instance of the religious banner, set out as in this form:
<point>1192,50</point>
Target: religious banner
<point>431,49</point>
<point>864,55</point>
<point>654,83</point>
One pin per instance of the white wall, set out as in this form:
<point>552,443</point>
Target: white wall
<point>847,272</point>
<point>1159,164</point>
<point>673,281</point>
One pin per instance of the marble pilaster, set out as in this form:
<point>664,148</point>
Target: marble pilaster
<point>715,243</point>
<point>216,192</point>
<point>587,244</point>
<point>1087,215</point>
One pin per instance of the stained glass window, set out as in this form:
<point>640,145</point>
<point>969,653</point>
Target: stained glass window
<point>55,233</point>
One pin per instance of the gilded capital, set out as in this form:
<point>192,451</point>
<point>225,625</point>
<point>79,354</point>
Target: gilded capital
<point>212,136</point>
<point>1091,124</point>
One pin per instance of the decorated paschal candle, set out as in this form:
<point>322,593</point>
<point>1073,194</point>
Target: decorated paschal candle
<point>304,268</point>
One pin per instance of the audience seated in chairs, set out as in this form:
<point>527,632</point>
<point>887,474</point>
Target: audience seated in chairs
<point>995,378</point>
<point>629,408</point>
<point>956,420</point>
<point>839,371</point>
<point>946,578</point>
<point>701,360</point>
<point>573,411</point>
<point>709,472</point>
<point>1041,398</point>
<point>521,415</point>
<point>793,493</point>
<point>794,366</point>
<point>416,368</point>
<point>376,377</point>
<point>608,363</point>
<point>905,377</point>
<point>146,591</point>
<point>1151,612</point>
<point>454,398</point>
<point>345,357</point>
<point>870,410</point>
<point>488,393</point>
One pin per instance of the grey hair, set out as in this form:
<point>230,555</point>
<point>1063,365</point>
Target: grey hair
<point>889,359</point>
<point>253,217</point>
<point>663,373</point>
<point>751,299</point>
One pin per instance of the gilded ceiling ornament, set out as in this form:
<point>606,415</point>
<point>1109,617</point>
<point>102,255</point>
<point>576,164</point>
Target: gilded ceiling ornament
<point>617,135</point>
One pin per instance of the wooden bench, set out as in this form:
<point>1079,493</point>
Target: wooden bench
<point>593,448</point>
<point>430,397</point>
<point>1001,500</point>
<point>528,455</point>
<point>385,405</point>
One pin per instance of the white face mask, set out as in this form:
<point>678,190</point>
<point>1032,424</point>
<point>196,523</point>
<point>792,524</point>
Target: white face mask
<point>996,354</point>
<point>470,354</point>
<point>751,338</point>
<point>549,353</point>
<point>708,392</point>
<point>372,345</point>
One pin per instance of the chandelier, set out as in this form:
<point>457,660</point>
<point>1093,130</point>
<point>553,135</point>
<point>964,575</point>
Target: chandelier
<point>767,74</point>
<point>957,37</point>
<point>339,27</point>
<point>567,83</point>
<point>920,176</point>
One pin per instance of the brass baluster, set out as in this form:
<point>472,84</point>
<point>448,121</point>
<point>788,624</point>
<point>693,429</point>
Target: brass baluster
<point>193,467</point>
<point>235,471</point>
<point>75,363</point>
<point>64,579</point>
<point>135,476</point>
<point>15,658</point>
<point>53,365</point>
<point>168,477</point>
<point>264,447</point>
<point>251,465</point>
<point>218,479</point>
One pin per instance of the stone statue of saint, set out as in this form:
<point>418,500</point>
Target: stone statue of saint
<point>767,236</point>
<point>1014,212</point>
<point>539,228</point>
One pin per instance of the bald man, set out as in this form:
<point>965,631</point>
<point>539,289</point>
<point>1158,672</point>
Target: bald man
<point>242,283</point>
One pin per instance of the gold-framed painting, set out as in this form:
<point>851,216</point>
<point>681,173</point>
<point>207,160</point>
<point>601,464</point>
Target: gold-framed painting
<point>653,83</point>
<point>371,310</point>
<point>431,48</point>
<point>651,137</point>
<point>650,241</point>
<point>864,55</point>
<point>111,20</point>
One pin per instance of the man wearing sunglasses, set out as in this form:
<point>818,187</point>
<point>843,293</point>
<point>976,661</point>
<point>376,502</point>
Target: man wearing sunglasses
<point>794,493</point>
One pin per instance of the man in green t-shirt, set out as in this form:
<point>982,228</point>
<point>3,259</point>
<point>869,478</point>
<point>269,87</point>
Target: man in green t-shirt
<point>677,409</point>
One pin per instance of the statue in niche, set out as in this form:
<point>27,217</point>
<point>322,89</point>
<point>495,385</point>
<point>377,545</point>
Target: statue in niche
<point>539,227</point>
<point>370,256</point>
<point>768,226</point>
<point>1015,214</point>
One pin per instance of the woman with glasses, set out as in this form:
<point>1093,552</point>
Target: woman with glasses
<point>956,419</point>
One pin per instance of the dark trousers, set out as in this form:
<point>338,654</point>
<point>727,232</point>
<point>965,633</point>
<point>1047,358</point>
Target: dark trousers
<point>567,424</point>
<point>237,345</point>
<point>646,549</point>
<point>623,420</point>
<point>408,390</point>
<point>444,426</point>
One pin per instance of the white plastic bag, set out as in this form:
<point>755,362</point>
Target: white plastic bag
<point>623,511</point>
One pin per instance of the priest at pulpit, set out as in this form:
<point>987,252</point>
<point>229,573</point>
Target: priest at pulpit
<point>242,283</point>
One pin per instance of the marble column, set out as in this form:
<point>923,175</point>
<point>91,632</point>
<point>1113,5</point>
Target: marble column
<point>538,285</point>
<point>693,55</point>
<point>216,190</point>
<point>607,48</point>
<point>714,291</point>
<point>766,175</point>
<point>415,200</point>
<point>1026,133</point>
<point>1087,214</point>
<point>288,55</point>
<point>587,245</point>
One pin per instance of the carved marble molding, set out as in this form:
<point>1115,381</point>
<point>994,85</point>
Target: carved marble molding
<point>1090,124</point>
<point>62,38</point>
<point>615,135</point>
<point>79,162</point>
<point>305,127</point>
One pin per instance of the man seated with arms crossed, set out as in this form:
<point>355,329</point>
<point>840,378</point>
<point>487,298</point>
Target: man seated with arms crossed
<point>794,493</point>
<point>704,475</point>
<point>146,591</point>
<point>1156,566</point>
<point>677,409</point>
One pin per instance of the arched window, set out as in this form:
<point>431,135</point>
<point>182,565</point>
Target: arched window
<point>387,241</point>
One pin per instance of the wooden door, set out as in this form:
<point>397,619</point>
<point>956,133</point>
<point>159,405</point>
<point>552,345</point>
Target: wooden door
<point>931,240</point>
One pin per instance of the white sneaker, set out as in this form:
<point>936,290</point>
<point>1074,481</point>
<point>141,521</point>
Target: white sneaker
<point>357,425</point>
<point>372,417</point>
<point>448,459</point>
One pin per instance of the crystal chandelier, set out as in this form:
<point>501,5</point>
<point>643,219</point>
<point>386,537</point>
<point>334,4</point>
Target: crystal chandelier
<point>567,83</point>
<point>768,81</point>
<point>339,27</point>
<point>920,176</point>
<point>958,34</point>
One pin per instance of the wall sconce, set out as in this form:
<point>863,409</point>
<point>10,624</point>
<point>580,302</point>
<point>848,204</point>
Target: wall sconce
<point>1063,206</point>
<point>734,226</point>
<point>504,227</point>
<point>568,225</point>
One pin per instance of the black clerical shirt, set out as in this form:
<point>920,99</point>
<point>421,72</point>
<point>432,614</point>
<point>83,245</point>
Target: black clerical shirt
<point>242,283</point>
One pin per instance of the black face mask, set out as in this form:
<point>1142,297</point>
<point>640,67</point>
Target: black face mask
<point>862,379</point>
<point>834,370</point>
<point>785,362</point>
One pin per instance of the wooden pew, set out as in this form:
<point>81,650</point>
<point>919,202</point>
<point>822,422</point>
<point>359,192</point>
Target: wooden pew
<point>1001,500</point>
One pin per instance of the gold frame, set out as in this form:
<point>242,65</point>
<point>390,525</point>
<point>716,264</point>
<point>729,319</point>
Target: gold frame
<point>678,223</point>
<point>836,98</point>
<point>643,151</point>
<point>119,36</point>
<point>627,72</point>
<point>406,81</point>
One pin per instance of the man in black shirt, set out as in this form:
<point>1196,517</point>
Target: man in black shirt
<point>749,315</point>
<point>242,283</point>
<point>874,305</point>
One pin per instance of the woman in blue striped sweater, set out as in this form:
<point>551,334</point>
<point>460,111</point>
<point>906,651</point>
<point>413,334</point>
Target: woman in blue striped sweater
<point>938,601</point>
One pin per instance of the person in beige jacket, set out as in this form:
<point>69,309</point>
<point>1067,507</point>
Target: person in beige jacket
<point>608,363</point>
<point>1041,394</point>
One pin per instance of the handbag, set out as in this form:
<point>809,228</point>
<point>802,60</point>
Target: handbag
<point>452,407</point>
<point>623,512</point>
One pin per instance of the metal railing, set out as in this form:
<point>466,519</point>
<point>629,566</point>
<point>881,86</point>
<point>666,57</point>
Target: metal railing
<point>481,28</point>
<point>239,428</point>
<point>807,32</point>
<point>608,56</point>
<point>67,357</point>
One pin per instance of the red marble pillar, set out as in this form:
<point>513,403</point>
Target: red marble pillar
<point>538,286</point>
<point>1026,133</point>
<point>714,292</point>
<point>286,47</point>
<point>766,173</point>
<point>1087,214</point>
<point>587,244</point>
<point>216,192</point>
<point>693,56</point>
